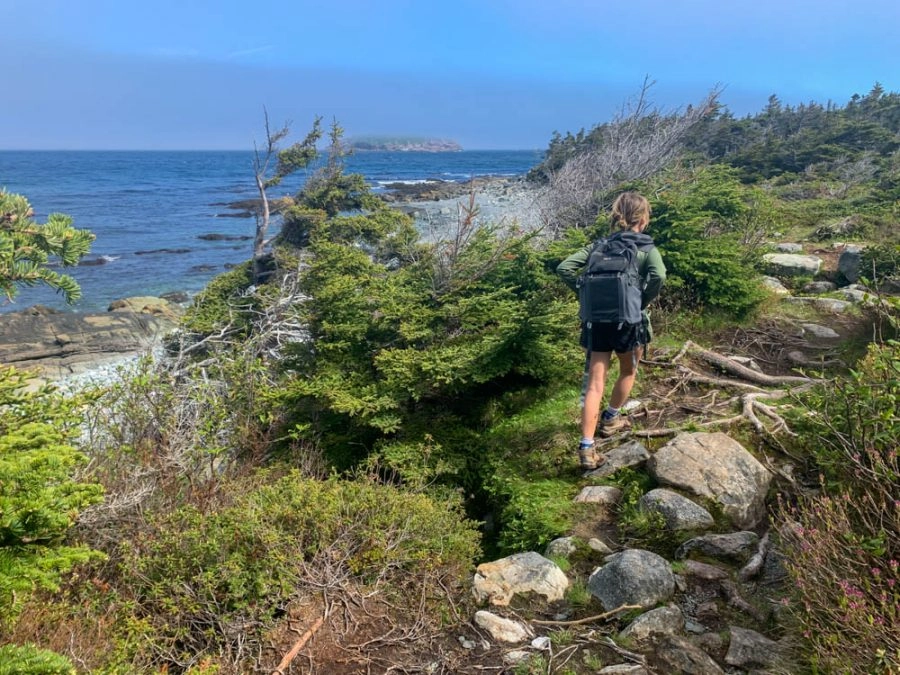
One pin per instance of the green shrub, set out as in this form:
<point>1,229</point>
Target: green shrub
<point>703,224</point>
<point>30,660</point>
<point>221,302</point>
<point>195,576</point>
<point>39,498</point>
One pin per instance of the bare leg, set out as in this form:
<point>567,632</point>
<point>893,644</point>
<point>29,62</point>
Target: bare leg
<point>627,375</point>
<point>597,370</point>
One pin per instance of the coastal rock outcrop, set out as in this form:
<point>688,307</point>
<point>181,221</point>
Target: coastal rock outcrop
<point>57,344</point>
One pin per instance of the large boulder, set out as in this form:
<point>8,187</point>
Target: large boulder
<point>528,572</point>
<point>850,262</point>
<point>792,264</point>
<point>632,577</point>
<point>715,467</point>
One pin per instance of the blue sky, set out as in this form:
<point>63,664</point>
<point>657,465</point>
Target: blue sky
<point>196,74</point>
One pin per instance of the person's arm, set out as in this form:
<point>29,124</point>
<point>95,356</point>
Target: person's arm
<point>570,268</point>
<point>655,277</point>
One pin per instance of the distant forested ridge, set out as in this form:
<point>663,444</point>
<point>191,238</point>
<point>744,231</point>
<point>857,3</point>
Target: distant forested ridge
<point>404,144</point>
<point>779,139</point>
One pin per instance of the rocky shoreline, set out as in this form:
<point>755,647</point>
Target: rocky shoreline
<point>439,205</point>
<point>58,345</point>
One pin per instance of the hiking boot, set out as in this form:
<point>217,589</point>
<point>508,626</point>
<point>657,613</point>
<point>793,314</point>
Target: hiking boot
<point>589,458</point>
<point>613,426</point>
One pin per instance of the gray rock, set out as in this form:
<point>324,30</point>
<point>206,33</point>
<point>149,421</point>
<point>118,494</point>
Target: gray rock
<point>705,571</point>
<point>736,546</point>
<point>516,656</point>
<point>775,286</point>
<point>856,295</point>
<point>819,287</point>
<point>599,494</point>
<point>502,629</point>
<point>749,649</point>
<point>632,577</point>
<point>694,627</point>
<point>679,512</point>
<point>820,332</point>
<point>832,305</point>
<point>527,572</point>
<point>786,247</point>
<point>662,620</point>
<point>623,669</point>
<point>673,654</point>
<point>711,643</point>
<point>792,265</point>
<point>599,546</point>
<point>718,468</point>
<point>850,262</point>
<point>562,547</point>
<point>629,455</point>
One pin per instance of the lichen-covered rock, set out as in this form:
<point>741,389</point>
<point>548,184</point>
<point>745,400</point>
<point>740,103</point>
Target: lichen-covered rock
<point>820,332</point>
<point>735,546</point>
<point>562,547</point>
<point>748,649</point>
<point>502,629</point>
<point>528,572</point>
<point>632,577</point>
<point>660,621</point>
<point>792,265</point>
<point>679,512</point>
<point>673,654</point>
<point>718,468</point>
<point>775,286</point>
<point>628,456</point>
<point>606,495</point>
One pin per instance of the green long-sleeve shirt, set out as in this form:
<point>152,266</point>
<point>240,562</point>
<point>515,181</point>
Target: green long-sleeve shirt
<point>650,266</point>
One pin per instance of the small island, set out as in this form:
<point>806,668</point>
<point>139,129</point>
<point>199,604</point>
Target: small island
<point>404,144</point>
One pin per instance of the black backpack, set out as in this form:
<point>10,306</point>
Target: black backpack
<point>609,289</point>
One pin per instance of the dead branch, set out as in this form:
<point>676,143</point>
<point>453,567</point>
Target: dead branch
<point>587,619</point>
<point>736,601</point>
<point>751,569</point>
<point>631,656</point>
<point>730,366</point>
<point>298,645</point>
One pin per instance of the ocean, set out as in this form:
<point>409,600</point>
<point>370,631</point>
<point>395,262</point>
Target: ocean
<point>149,209</point>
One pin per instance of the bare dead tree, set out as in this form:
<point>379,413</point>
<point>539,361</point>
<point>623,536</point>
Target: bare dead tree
<point>270,166</point>
<point>639,141</point>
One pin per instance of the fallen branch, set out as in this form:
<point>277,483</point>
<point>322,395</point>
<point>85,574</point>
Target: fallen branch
<point>588,619</point>
<point>286,661</point>
<point>735,368</point>
<point>751,569</point>
<point>735,600</point>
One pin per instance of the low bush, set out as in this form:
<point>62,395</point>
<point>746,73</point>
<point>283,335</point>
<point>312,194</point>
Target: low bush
<point>845,542</point>
<point>210,583</point>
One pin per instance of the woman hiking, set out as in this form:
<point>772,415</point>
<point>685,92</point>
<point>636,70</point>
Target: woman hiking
<point>629,218</point>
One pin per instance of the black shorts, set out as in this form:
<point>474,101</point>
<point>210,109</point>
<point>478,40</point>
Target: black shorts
<point>608,337</point>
